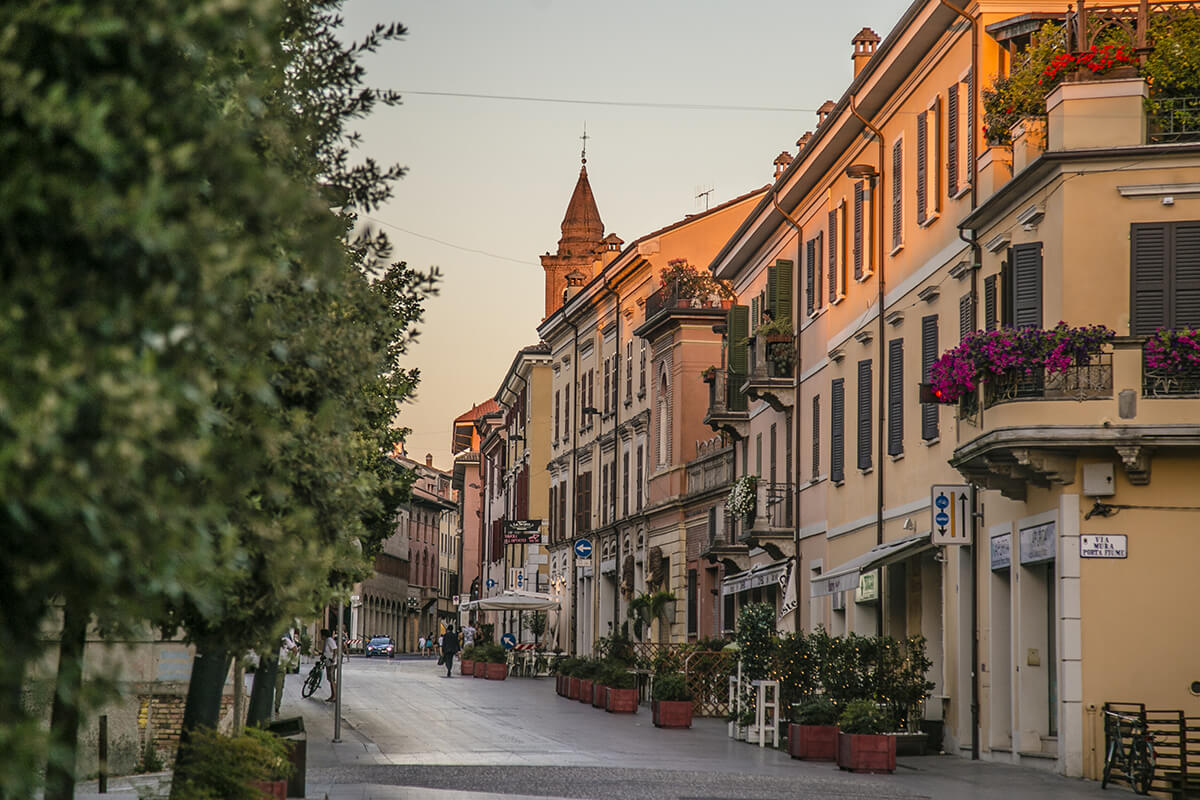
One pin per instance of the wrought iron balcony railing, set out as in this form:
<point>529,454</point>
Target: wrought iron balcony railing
<point>1088,381</point>
<point>1173,119</point>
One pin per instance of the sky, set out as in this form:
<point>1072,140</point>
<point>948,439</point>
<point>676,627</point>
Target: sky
<point>676,97</point>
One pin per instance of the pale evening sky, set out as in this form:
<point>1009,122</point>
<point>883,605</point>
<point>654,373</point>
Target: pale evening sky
<point>489,179</point>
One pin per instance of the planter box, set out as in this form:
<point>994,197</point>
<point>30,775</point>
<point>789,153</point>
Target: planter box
<point>496,672</point>
<point>599,696</point>
<point>813,742</point>
<point>560,685</point>
<point>585,690</point>
<point>622,701</point>
<point>671,713</point>
<point>466,667</point>
<point>276,790</point>
<point>480,669</point>
<point>911,744</point>
<point>572,688</point>
<point>866,752</point>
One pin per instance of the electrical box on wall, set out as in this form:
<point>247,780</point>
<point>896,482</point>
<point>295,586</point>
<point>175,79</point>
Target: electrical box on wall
<point>1098,480</point>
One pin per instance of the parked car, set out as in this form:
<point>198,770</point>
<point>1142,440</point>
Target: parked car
<point>380,646</point>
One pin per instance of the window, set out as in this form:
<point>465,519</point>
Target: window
<point>966,316</point>
<point>1023,285</point>
<point>897,195</point>
<point>625,483</point>
<point>816,437</point>
<point>1165,272</point>
<point>864,414</point>
<point>642,374</point>
<point>989,303</point>
<point>629,371</point>
<point>773,447</point>
<point>604,494</point>
<point>958,167</point>
<point>738,327</point>
<point>895,430</point>
<point>693,624</point>
<point>928,188</point>
<point>814,250</point>
<point>562,511</point>
<point>863,219</point>
<point>929,354</point>
<point>836,279</point>
<point>557,408</point>
<point>640,476</point>
<point>758,454</point>
<point>837,430</point>
<point>583,503</point>
<point>606,387</point>
<point>779,290</point>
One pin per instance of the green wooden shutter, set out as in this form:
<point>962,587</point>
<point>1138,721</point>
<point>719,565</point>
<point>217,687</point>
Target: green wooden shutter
<point>897,196</point>
<point>929,354</point>
<point>783,290</point>
<point>989,302</point>
<point>895,378</point>
<point>837,430</point>
<point>864,414</point>
<point>816,436</point>
<point>1186,262</point>
<point>739,332</point>
<point>1150,291</point>
<point>769,304</point>
<point>810,281</point>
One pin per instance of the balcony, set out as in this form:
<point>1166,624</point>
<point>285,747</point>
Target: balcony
<point>1031,431</point>
<point>772,524</point>
<point>727,409</point>
<point>710,472</point>
<point>772,370</point>
<point>1173,120</point>
<point>723,545</point>
<point>663,305</point>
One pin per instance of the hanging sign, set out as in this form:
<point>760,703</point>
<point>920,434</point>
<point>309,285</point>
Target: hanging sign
<point>950,508</point>
<point>523,531</point>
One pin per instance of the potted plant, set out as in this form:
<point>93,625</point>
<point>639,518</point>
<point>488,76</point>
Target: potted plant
<point>743,498</point>
<point>813,732</point>
<point>709,373</point>
<point>600,683</point>
<point>587,672</point>
<point>496,662</point>
<point>250,765</point>
<point>479,665</point>
<point>622,692</point>
<point>467,660</point>
<point>862,744</point>
<point>671,701</point>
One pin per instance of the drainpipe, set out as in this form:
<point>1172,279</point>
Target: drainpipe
<point>612,499</point>
<point>795,421</point>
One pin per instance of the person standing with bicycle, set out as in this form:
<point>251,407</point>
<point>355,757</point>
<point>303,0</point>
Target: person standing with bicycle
<point>329,652</point>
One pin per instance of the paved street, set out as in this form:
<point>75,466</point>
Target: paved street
<point>410,732</point>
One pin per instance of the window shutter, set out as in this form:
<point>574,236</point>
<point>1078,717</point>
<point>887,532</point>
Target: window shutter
<point>816,436</point>
<point>858,230</point>
<point>606,386</point>
<point>783,290</point>
<point>864,414</point>
<point>739,331</point>
<point>952,140</point>
<point>929,354</point>
<point>966,316</point>
<point>971,132</point>
<point>1151,288</point>
<point>769,296</point>
<point>755,312</point>
<point>820,250</point>
<point>922,157</point>
<point>895,397</point>
<point>1006,281</point>
<point>1027,285</point>
<point>1186,258</point>
<point>897,193</point>
<point>989,303</point>
<point>809,279</point>
<point>833,249</point>
<point>837,430</point>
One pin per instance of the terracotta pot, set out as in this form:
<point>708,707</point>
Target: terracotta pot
<point>672,713</point>
<point>585,690</point>
<point>480,669</point>
<point>813,742</point>
<point>466,667</point>
<point>622,701</point>
<point>496,672</point>
<point>572,688</point>
<point>859,752</point>
<point>599,696</point>
<point>277,790</point>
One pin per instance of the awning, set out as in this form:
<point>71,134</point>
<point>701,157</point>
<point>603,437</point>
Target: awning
<point>513,601</point>
<point>760,575</point>
<point>845,576</point>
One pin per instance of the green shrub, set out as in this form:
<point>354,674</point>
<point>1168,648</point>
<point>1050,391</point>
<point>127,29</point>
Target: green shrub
<point>222,767</point>
<point>566,666</point>
<point>864,717</point>
<point>815,711</point>
<point>492,653</point>
<point>468,653</point>
<point>620,678</point>
<point>755,636</point>
<point>671,686</point>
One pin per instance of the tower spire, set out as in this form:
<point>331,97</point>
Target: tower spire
<point>583,155</point>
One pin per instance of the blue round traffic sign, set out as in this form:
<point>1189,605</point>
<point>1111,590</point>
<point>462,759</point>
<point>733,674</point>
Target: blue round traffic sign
<point>942,518</point>
<point>509,641</point>
<point>491,584</point>
<point>941,501</point>
<point>583,548</point>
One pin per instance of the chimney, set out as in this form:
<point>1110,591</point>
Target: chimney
<point>802,142</point>
<point>429,459</point>
<point>823,112</point>
<point>864,44</point>
<point>781,162</point>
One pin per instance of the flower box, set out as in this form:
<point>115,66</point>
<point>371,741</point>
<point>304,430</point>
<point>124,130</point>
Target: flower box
<point>813,742</point>
<point>622,701</point>
<point>276,790</point>
<point>560,685</point>
<point>866,752</point>
<point>496,672</point>
<point>572,688</point>
<point>599,696</point>
<point>479,669</point>
<point>466,667</point>
<point>585,690</point>
<point>671,713</point>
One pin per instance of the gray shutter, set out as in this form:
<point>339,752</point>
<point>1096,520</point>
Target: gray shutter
<point>769,299</point>
<point>810,286</point>
<point>858,230</point>
<point>952,140</point>
<point>1186,262</point>
<point>989,303</point>
<point>929,354</point>
<point>1150,291</point>
<point>864,414</point>
<point>1027,285</point>
<point>966,316</point>
<point>895,409</point>
<point>783,290</point>
<point>897,194</point>
<point>922,157</point>
<point>755,313</point>
<point>972,133</point>
<point>819,253</point>
<point>837,430</point>
<point>816,436</point>
<point>1006,282</point>
<point>833,248</point>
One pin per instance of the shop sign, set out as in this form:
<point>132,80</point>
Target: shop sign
<point>868,587</point>
<point>523,531</point>
<point>1037,543</point>
<point>1107,545</point>
<point>1001,551</point>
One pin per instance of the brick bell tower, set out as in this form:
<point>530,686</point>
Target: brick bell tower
<point>582,237</point>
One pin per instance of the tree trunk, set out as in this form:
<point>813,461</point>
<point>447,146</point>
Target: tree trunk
<point>262,693</point>
<point>203,708</point>
<point>239,694</point>
<point>64,717</point>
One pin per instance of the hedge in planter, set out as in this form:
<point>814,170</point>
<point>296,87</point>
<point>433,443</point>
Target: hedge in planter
<point>240,767</point>
<point>813,732</point>
<point>622,693</point>
<point>862,745</point>
<point>466,661</point>
<point>671,702</point>
<point>495,660</point>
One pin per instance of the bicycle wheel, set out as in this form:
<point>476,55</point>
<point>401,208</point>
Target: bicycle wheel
<point>312,682</point>
<point>1141,765</point>
<point>1110,762</point>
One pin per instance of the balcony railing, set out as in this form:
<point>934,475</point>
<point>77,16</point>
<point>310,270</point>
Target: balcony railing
<point>713,472</point>
<point>1173,119</point>
<point>725,394</point>
<point>771,359</point>
<point>1088,381</point>
<point>725,533</point>
<point>1168,382</point>
<point>674,298</point>
<point>774,506</point>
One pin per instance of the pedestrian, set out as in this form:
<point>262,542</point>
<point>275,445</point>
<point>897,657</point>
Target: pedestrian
<point>421,646</point>
<point>449,648</point>
<point>329,652</point>
<point>429,642</point>
<point>289,657</point>
<point>468,636</point>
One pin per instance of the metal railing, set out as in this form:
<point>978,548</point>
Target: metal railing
<point>771,359</point>
<point>774,508</point>
<point>1089,381</point>
<point>724,534</point>
<point>1169,381</point>
<point>673,297</point>
<point>1173,119</point>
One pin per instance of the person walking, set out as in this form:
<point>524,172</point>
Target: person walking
<point>330,653</point>
<point>468,636</point>
<point>449,648</point>
<point>289,655</point>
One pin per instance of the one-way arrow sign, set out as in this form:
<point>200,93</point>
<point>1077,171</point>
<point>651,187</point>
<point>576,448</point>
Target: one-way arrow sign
<point>951,512</point>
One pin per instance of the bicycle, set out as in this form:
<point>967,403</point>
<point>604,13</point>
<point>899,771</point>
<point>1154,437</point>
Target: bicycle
<point>1137,759</point>
<point>313,681</point>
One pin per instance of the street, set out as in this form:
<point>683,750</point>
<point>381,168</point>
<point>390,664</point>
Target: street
<point>406,725</point>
